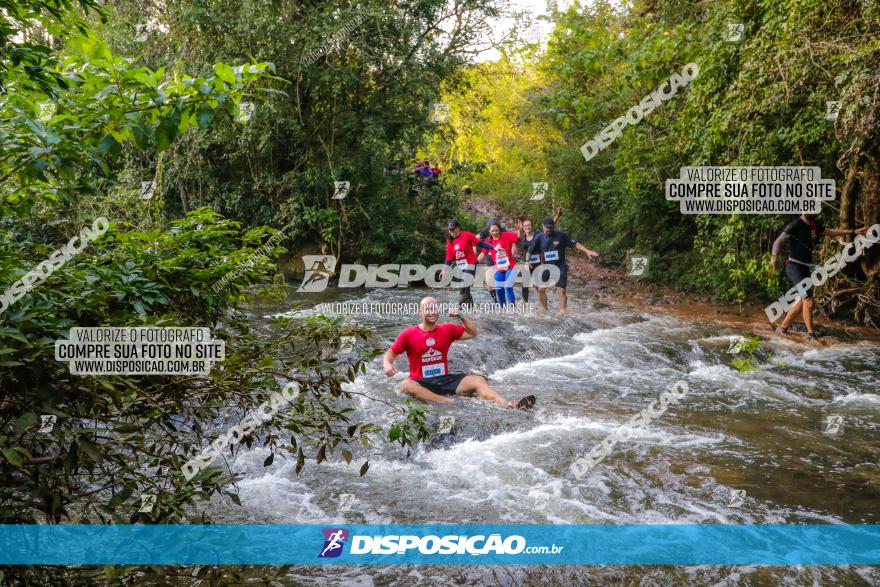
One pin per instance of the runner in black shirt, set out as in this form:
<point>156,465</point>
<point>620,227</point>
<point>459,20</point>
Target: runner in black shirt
<point>804,233</point>
<point>551,245</point>
<point>526,236</point>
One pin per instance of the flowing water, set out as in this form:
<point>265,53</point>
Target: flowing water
<point>764,432</point>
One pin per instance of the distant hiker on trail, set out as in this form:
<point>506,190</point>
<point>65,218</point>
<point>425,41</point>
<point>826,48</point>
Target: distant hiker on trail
<point>426,346</point>
<point>804,233</point>
<point>503,253</point>
<point>526,234</point>
<point>551,245</point>
<point>461,247</point>
<point>424,169</point>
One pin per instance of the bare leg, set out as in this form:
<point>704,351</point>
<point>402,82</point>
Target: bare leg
<point>478,384</point>
<point>411,388</point>
<point>792,313</point>
<point>808,314</point>
<point>542,297</point>
<point>563,300</point>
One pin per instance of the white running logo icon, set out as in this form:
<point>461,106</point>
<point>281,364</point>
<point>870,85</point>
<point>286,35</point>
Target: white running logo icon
<point>335,542</point>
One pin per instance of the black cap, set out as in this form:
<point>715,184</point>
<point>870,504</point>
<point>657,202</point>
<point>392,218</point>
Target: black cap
<point>452,224</point>
<point>548,222</point>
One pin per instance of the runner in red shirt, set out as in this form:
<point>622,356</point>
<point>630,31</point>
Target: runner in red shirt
<point>461,256</point>
<point>503,247</point>
<point>426,346</point>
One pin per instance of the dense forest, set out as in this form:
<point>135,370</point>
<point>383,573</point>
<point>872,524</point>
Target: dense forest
<point>201,129</point>
<point>759,100</point>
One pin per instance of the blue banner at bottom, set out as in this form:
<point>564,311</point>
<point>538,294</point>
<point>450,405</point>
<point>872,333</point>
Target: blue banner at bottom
<point>479,544</point>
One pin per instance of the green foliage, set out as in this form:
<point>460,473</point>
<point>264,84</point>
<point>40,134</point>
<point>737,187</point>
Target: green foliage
<point>120,437</point>
<point>26,28</point>
<point>758,102</point>
<point>748,351</point>
<point>57,148</point>
<point>358,110</point>
<point>413,428</point>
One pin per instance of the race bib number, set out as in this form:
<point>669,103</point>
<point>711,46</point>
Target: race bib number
<point>501,260</point>
<point>551,256</point>
<point>535,259</point>
<point>461,263</point>
<point>433,370</point>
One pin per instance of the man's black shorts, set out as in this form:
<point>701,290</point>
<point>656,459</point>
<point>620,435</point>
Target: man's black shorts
<point>797,273</point>
<point>544,275</point>
<point>442,384</point>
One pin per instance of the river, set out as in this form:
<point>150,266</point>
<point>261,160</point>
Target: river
<point>763,432</point>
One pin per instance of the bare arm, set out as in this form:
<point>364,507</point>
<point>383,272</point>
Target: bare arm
<point>558,214</point>
<point>388,363</point>
<point>584,249</point>
<point>470,328</point>
<point>777,245</point>
<point>831,232</point>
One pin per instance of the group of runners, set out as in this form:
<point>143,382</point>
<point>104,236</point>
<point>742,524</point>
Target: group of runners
<point>501,251</point>
<point>426,344</point>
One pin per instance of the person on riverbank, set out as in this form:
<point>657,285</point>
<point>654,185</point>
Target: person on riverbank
<point>804,232</point>
<point>526,234</point>
<point>461,254</point>
<point>551,245</point>
<point>503,253</point>
<point>426,346</point>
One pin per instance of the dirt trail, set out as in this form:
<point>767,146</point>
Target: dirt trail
<point>608,285</point>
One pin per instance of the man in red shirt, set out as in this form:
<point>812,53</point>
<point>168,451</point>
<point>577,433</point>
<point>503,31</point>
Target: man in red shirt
<point>461,256</point>
<point>426,346</point>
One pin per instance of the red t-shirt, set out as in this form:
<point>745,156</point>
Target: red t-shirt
<point>503,259</point>
<point>426,349</point>
<point>461,249</point>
